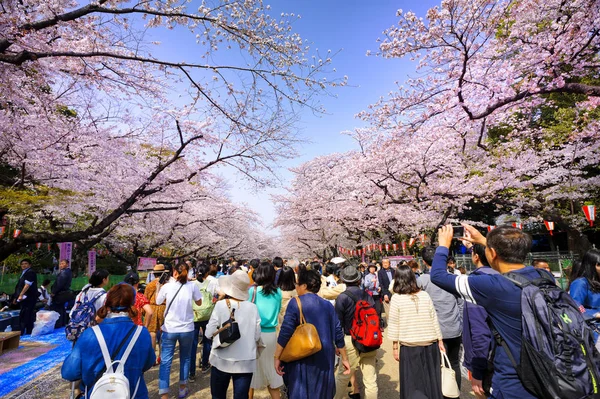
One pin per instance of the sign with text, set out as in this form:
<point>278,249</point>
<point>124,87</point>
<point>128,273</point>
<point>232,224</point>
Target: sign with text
<point>146,263</point>
<point>66,251</point>
<point>91,262</point>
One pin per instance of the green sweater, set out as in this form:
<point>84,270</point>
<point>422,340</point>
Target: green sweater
<point>268,308</point>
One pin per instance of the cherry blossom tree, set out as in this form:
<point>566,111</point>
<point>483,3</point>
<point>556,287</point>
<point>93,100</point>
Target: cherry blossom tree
<point>94,118</point>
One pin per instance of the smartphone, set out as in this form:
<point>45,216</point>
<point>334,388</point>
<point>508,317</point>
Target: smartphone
<point>459,232</point>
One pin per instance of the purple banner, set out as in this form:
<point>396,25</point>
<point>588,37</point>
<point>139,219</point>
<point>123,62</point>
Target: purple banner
<point>146,263</point>
<point>66,251</point>
<point>91,262</point>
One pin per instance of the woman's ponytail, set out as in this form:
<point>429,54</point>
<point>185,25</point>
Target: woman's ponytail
<point>182,271</point>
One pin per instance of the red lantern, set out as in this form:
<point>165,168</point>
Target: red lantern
<point>16,233</point>
<point>404,245</point>
<point>395,247</point>
<point>2,229</point>
<point>590,213</point>
<point>387,247</point>
<point>38,245</point>
<point>380,247</point>
<point>412,241</point>
<point>422,237</point>
<point>518,225</point>
<point>549,226</point>
<point>490,228</point>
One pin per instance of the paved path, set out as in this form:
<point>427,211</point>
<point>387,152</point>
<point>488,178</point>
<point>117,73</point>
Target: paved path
<point>50,385</point>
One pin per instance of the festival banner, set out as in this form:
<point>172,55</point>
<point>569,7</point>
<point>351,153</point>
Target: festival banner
<point>65,251</point>
<point>549,226</point>
<point>146,263</point>
<point>91,262</point>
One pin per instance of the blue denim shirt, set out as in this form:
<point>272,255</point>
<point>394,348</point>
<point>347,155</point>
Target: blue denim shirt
<point>85,361</point>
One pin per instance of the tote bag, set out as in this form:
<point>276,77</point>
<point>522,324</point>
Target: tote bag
<point>449,385</point>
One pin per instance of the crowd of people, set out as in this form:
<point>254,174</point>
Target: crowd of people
<point>234,321</point>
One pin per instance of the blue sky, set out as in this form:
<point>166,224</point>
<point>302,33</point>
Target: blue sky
<point>352,27</point>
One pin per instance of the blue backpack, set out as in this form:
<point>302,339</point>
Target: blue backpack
<point>558,357</point>
<point>83,316</point>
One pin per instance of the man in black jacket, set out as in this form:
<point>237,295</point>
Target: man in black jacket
<point>385,275</point>
<point>61,291</point>
<point>26,295</point>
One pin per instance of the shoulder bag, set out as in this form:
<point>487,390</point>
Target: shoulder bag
<point>449,385</point>
<point>229,331</point>
<point>304,341</point>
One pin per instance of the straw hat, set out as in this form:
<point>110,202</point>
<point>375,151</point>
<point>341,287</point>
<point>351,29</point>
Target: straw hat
<point>235,285</point>
<point>159,268</point>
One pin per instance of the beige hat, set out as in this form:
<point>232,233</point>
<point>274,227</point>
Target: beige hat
<point>235,285</point>
<point>159,268</point>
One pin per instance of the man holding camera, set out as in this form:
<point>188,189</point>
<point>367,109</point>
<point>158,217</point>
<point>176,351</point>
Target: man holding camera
<point>506,251</point>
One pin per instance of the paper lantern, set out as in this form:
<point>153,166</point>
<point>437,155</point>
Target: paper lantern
<point>549,226</point>
<point>404,245</point>
<point>590,213</point>
<point>387,247</point>
<point>2,229</point>
<point>395,247</point>
<point>412,241</point>
<point>518,225</point>
<point>490,228</point>
<point>38,245</point>
<point>16,233</point>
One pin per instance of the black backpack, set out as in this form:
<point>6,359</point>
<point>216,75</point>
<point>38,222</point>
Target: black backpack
<point>558,357</point>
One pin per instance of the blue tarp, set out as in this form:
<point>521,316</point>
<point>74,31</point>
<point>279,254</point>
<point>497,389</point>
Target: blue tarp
<point>29,371</point>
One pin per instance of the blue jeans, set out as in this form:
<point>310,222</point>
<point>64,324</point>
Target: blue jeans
<point>167,350</point>
<point>206,346</point>
<point>219,382</point>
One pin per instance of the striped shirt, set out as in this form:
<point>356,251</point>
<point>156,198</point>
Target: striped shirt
<point>413,320</point>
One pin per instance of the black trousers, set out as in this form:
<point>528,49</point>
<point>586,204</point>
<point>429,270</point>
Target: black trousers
<point>452,346</point>
<point>27,317</point>
<point>60,309</point>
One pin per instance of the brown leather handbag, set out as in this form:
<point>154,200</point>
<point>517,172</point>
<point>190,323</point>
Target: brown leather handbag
<point>304,341</point>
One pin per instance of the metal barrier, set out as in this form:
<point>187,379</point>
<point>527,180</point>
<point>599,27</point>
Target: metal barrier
<point>560,263</point>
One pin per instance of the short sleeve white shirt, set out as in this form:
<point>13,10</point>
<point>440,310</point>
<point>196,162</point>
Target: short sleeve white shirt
<point>180,317</point>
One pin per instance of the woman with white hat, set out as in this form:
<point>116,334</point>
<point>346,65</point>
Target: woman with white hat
<point>238,360</point>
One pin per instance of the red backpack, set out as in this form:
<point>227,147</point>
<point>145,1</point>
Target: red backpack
<point>365,330</point>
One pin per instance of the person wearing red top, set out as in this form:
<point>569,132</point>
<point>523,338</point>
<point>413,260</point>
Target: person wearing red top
<point>141,302</point>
